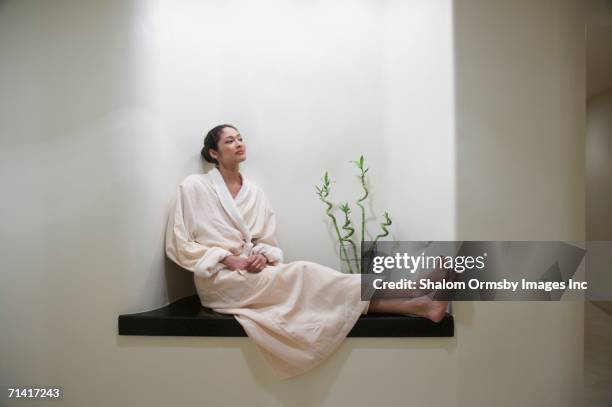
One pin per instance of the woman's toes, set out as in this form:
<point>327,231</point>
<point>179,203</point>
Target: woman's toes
<point>437,310</point>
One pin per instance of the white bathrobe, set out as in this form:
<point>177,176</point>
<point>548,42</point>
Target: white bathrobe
<point>297,313</point>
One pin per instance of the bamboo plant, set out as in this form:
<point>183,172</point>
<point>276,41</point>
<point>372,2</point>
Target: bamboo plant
<point>347,239</point>
<point>323,192</point>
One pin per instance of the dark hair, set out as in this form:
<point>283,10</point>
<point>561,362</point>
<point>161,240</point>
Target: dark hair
<point>212,140</point>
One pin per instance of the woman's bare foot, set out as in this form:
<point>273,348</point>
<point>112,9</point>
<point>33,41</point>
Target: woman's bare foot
<point>427,308</point>
<point>422,307</point>
<point>437,310</point>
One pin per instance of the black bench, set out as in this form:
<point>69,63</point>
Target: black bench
<point>187,317</point>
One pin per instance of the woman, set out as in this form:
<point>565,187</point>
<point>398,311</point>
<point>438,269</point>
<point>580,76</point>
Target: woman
<point>223,230</point>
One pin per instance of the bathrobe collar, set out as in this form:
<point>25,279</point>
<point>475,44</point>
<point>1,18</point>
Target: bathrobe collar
<point>231,205</point>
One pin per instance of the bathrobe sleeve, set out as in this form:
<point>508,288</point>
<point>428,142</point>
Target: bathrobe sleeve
<point>267,243</point>
<point>202,259</point>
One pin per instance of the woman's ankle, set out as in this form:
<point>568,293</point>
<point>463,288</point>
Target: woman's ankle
<point>437,310</point>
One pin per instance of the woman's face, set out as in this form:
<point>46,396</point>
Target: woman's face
<point>231,150</point>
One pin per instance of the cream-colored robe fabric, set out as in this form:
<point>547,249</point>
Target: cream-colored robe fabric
<point>297,313</point>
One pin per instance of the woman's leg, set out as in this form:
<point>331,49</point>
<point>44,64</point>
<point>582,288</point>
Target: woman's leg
<point>416,301</point>
<point>421,306</point>
<point>434,276</point>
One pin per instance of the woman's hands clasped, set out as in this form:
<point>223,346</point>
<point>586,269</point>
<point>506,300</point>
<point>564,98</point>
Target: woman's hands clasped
<point>252,264</point>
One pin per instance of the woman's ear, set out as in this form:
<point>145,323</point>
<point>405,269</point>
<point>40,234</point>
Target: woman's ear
<point>213,153</point>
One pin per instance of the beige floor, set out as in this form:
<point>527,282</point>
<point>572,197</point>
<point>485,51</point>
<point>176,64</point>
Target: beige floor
<point>598,354</point>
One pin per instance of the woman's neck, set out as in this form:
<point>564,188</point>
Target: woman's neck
<point>231,176</point>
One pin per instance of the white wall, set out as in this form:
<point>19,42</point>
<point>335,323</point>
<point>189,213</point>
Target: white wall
<point>107,105</point>
<point>599,167</point>
<point>520,129</point>
<point>311,87</point>
<point>598,319</point>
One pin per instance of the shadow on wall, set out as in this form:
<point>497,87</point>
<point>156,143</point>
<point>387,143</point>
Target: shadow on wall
<point>179,281</point>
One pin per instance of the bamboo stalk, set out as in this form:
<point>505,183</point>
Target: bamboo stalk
<point>323,193</point>
<point>350,231</point>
